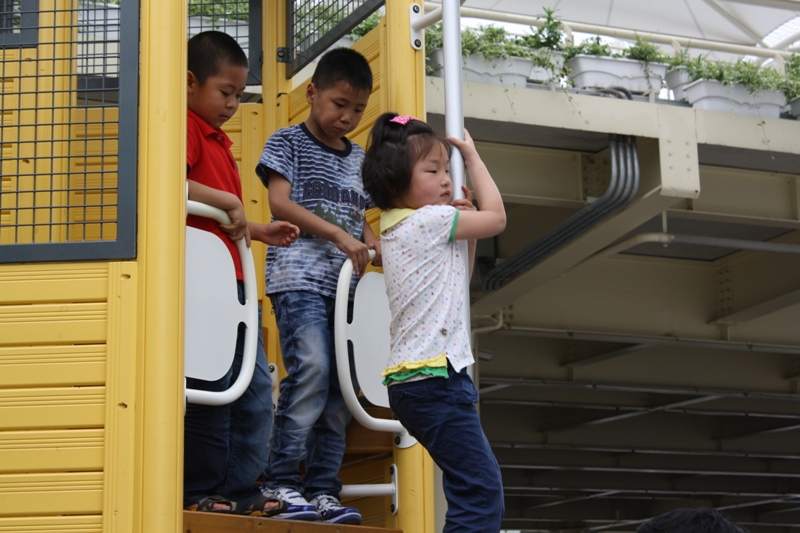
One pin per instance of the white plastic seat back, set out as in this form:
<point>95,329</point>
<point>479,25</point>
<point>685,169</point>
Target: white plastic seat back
<point>213,312</point>
<point>369,333</point>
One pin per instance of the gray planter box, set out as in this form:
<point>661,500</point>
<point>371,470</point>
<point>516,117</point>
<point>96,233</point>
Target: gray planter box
<point>794,108</point>
<point>540,74</point>
<point>677,79</point>
<point>715,96</point>
<point>512,72</point>
<point>590,72</point>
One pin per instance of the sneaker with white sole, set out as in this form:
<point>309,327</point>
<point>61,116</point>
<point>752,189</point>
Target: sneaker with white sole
<point>333,512</point>
<point>297,507</point>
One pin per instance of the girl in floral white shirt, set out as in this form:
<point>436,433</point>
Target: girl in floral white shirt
<point>406,171</point>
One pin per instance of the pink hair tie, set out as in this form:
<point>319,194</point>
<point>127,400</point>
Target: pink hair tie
<point>402,119</point>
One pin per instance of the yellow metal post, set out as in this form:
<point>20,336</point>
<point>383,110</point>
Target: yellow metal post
<point>405,68</point>
<point>162,191</point>
<point>274,87</point>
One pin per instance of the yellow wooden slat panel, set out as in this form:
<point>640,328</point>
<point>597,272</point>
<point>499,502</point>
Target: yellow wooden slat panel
<point>53,524</point>
<point>68,450</point>
<point>250,139</point>
<point>62,407</point>
<point>67,282</point>
<point>48,366</point>
<point>53,324</point>
<point>51,493</point>
<point>370,44</point>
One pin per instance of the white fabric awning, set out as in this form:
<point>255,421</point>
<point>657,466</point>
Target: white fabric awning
<point>744,22</point>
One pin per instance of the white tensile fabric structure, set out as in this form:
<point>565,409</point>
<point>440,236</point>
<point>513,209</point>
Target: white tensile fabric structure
<point>743,22</point>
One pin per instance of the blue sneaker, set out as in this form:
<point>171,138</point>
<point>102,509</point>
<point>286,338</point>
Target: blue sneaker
<point>333,512</point>
<point>297,507</point>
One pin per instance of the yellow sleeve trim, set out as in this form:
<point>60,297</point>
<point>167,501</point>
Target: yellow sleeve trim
<point>438,361</point>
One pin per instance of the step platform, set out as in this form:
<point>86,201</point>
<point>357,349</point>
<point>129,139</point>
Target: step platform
<point>197,522</point>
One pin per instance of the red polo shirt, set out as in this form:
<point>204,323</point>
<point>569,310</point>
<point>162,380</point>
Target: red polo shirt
<point>210,162</point>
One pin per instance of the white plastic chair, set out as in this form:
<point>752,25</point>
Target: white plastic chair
<point>369,333</point>
<point>213,311</point>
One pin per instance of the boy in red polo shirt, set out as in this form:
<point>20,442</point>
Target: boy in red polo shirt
<point>225,446</point>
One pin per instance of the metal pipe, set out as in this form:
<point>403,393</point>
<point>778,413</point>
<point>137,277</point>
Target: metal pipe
<point>636,409</point>
<point>511,491</point>
<point>498,276</point>
<point>622,189</point>
<point>650,470</point>
<point>696,240</point>
<point>429,18</point>
<point>454,118</point>
<point>617,450</point>
<point>646,339</point>
<point>522,382</point>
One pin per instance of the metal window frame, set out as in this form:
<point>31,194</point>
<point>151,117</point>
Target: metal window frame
<point>124,247</point>
<point>29,21</point>
<point>295,62</point>
<point>255,49</point>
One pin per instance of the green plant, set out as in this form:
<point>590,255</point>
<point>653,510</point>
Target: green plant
<point>641,50</point>
<point>369,24</point>
<point>702,68</point>
<point>434,38</point>
<point>593,46</point>
<point>752,76</point>
<point>679,59</point>
<point>791,83</point>
<point>549,35</point>
<point>491,42</point>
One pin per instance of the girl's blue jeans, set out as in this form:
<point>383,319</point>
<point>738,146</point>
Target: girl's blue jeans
<point>440,413</point>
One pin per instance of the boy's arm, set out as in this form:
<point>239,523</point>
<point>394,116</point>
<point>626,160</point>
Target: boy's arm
<point>373,243</point>
<point>284,208</point>
<point>226,201</point>
<point>277,233</point>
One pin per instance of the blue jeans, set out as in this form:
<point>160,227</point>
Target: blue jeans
<point>311,418</point>
<point>225,447</point>
<point>440,413</point>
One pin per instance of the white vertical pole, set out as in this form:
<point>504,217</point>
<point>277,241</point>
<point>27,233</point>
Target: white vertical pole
<point>453,101</point>
<point>454,113</point>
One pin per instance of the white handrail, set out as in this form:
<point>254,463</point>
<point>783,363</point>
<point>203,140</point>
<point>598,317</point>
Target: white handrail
<point>403,439</point>
<point>251,322</point>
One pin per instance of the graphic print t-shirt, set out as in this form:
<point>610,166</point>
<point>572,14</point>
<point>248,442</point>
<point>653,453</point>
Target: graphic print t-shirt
<point>328,183</point>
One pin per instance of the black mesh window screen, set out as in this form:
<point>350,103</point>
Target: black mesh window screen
<point>18,21</point>
<point>313,26</point>
<point>241,19</point>
<point>68,99</point>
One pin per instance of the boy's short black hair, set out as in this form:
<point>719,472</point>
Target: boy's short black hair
<point>343,65</point>
<point>210,50</point>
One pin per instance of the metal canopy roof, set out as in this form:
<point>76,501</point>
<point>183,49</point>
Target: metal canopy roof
<point>744,22</point>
